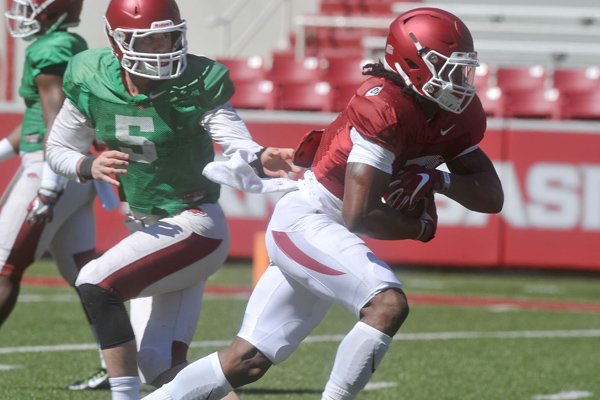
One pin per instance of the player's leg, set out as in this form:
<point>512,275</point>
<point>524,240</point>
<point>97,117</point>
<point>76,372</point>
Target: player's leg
<point>279,315</point>
<point>323,255</point>
<point>164,325</point>
<point>168,256</point>
<point>18,239</point>
<point>73,246</point>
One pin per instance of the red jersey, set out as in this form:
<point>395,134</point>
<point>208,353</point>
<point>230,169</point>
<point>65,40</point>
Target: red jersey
<point>385,114</point>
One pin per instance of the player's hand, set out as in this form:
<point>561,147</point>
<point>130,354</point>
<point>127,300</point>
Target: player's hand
<point>41,208</point>
<point>108,164</point>
<point>412,185</point>
<point>278,162</point>
<point>428,218</point>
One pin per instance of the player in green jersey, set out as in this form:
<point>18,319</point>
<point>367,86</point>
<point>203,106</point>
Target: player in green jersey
<point>42,212</point>
<point>160,111</point>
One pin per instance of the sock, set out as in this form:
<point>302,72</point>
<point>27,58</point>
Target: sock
<point>357,357</point>
<point>102,362</point>
<point>125,387</point>
<point>203,379</point>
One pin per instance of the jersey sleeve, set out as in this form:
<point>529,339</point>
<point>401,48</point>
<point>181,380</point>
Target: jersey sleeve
<point>52,54</point>
<point>74,85</point>
<point>218,87</point>
<point>376,120</point>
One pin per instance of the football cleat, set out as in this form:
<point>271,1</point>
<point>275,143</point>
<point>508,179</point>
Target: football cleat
<point>97,381</point>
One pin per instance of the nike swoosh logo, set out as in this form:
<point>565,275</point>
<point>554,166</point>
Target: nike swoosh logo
<point>155,95</point>
<point>444,132</point>
<point>424,180</point>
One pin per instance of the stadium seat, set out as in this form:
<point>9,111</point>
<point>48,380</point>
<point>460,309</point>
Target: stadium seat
<point>341,95</point>
<point>345,70</point>
<point>482,77</point>
<point>576,79</point>
<point>245,69</point>
<point>309,96</point>
<point>532,103</point>
<point>521,78</point>
<point>257,94</point>
<point>581,105</point>
<point>287,69</point>
<point>491,100</point>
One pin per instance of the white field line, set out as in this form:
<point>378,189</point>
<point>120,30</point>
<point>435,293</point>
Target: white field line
<point>580,333</point>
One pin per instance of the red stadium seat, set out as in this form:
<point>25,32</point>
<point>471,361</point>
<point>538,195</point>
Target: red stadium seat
<point>287,69</point>
<point>341,95</point>
<point>345,70</point>
<point>482,77</point>
<point>244,69</point>
<point>581,105</point>
<point>491,100</point>
<point>310,96</point>
<point>576,79</point>
<point>521,78</point>
<point>254,95</point>
<point>532,103</point>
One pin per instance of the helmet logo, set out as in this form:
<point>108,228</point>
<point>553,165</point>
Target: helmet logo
<point>389,49</point>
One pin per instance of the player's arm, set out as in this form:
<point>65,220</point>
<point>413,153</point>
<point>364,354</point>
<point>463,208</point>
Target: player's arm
<point>68,144</point>
<point>363,211</point>
<point>474,182</point>
<point>227,129</point>
<point>367,177</point>
<point>9,146</point>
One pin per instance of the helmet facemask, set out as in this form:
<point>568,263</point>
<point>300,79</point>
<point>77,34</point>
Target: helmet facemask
<point>21,19</point>
<point>152,65</point>
<point>451,85</point>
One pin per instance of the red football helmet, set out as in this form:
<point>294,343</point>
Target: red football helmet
<point>29,17</point>
<point>433,52</point>
<point>131,20</point>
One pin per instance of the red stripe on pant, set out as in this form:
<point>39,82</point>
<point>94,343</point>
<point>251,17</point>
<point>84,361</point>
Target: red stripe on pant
<point>22,253</point>
<point>129,281</point>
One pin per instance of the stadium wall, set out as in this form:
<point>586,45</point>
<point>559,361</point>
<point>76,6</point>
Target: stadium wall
<point>551,219</point>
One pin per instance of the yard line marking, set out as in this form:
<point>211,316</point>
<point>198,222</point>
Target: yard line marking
<point>424,336</point>
<point>5,367</point>
<point>380,385</point>
<point>571,395</point>
<point>44,298</point>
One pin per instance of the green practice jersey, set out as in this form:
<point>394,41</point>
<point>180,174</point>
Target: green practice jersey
<point>49,53</point>
<point>159,130</point>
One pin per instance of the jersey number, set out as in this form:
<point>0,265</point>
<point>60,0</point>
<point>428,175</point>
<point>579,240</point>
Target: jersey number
<point>122,132</point>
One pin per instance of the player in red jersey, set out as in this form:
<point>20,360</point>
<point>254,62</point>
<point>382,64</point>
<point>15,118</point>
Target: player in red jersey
<point>417,111</point>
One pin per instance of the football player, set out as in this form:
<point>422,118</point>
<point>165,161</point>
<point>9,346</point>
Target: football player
<point>42,212</point>
<point>415,112</point>
<point>159,110</point>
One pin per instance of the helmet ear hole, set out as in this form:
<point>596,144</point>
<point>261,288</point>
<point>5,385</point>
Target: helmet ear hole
<point>411,63</point>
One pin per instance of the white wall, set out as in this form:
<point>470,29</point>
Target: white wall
<point>203,38</point>
<point>273,33</point>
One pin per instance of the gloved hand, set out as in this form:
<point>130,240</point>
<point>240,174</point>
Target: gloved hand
<point>428,218</point>
<point>413,184</point>
<point>41,208</point>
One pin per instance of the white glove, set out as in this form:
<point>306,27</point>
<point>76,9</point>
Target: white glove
<point>41,208</point>
<point>237,173</point>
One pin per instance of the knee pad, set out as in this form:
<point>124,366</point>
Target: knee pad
<point>108,315</point>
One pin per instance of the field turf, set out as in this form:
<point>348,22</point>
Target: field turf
<point>471,335</point>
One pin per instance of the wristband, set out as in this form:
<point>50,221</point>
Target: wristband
<point>6,150</point>
<point>257,165</point>
<point>85,168</point>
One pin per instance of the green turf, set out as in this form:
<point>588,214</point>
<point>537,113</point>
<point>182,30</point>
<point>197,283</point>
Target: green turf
<point>478,364</point>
